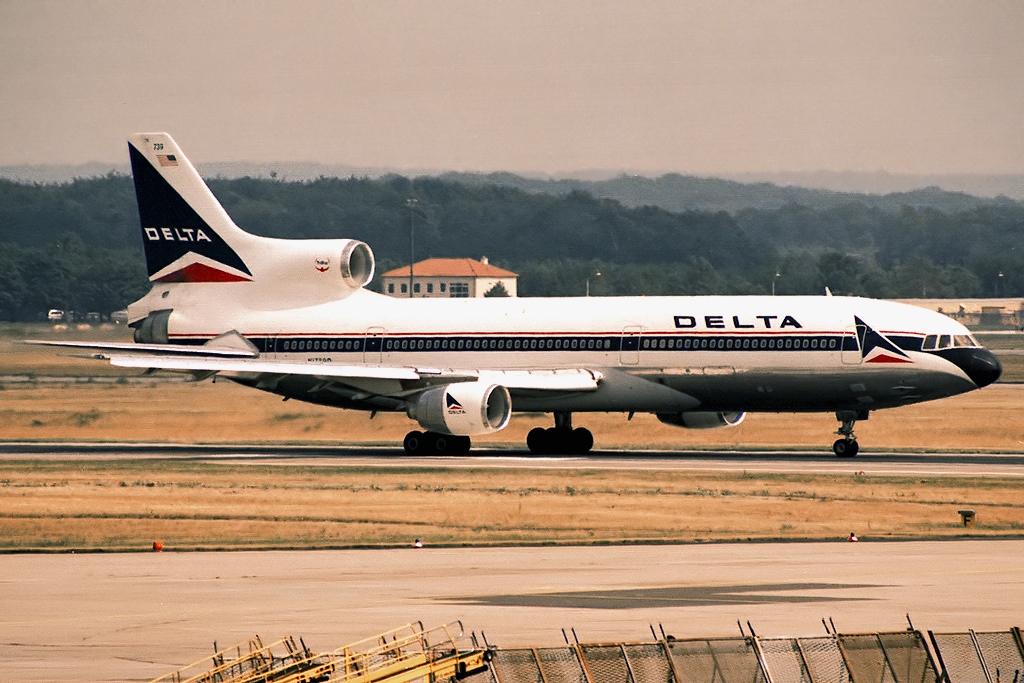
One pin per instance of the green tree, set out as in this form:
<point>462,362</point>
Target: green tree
<point>497,290</point>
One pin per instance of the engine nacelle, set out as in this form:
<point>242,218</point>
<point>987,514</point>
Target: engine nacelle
<point>285,274</point>
<point>463,408</point>
<point>312,271</point>
<point>701,419</point>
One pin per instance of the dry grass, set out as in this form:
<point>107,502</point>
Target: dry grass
<point>127,505</point>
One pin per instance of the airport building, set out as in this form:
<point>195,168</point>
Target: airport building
<point>453,278</point>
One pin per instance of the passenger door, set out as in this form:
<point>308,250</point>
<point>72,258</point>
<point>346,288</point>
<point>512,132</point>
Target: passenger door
<point>629,345</point>
<point>373,346</point>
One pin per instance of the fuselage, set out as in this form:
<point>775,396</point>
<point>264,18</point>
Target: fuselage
<point>654,354</point>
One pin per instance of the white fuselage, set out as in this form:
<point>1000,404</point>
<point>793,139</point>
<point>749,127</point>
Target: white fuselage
<point>659,354</point>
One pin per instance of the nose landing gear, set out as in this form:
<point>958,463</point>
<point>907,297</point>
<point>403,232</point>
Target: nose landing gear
<point>561,439</point>
<point>847,447</point>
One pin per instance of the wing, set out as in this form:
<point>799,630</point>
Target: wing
<point>234,355</point>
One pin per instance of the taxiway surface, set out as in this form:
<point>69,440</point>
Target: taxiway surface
<point>878,463</point>
<point>135,616</point>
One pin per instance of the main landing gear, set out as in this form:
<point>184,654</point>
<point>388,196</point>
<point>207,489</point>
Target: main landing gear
<point>561,439</point>
<point>847,447</point>
<point>434,443</point>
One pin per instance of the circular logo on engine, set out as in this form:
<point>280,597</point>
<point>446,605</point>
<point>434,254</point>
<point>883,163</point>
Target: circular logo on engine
<point>323,264</point>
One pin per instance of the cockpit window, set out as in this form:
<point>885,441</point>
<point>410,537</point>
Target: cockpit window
<point>946,341</point>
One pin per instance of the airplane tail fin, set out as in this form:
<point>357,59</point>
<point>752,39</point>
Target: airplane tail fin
<point>189,238</point>
<point>187,235</point>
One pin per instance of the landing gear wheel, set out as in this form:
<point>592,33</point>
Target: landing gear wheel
<point>435,443</point>
<point>536,440</point>
<point>582,441</point>
<point>559,441</point>
<point>414,443</point>
<point>845,448</point>
<point>459,445</point>
<point>438,442</point>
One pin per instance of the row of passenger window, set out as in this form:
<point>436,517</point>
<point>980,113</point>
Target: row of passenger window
<point>831,343</point>
<point>320,345</point>
<point>501,344</point>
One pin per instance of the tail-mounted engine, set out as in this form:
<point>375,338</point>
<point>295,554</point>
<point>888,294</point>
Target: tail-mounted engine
<point>356,264</point>
<point>701,419</point>
<point>306,272</point>
<point>463,408</point>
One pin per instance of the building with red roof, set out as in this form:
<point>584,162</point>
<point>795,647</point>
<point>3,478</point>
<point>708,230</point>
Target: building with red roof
<point>450,278</point>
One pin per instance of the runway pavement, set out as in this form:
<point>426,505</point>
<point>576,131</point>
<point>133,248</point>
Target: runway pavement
<point>870,463</point>
<point>135,616</point>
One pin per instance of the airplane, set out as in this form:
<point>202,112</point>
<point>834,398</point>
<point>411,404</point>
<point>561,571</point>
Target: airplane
<point>294,318</point>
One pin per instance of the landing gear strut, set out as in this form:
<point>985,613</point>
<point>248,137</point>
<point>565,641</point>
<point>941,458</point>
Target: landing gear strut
<point>561,439</point>
<point>847,447</point>
<point>435,443</point>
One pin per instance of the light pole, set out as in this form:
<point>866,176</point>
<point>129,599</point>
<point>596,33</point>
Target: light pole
<point>411,203</point>
<point>777,276</point>
<point>1000,291</point>
<point>597,274</point>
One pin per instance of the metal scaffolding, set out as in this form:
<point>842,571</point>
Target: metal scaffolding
<point>408,653</point>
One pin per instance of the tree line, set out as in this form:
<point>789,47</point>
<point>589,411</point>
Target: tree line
<point>77,245</point>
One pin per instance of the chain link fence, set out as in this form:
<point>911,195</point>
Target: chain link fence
<point>784,661</point>
<point>561,665</point>
<point>717,660</point>
<point>824,660</point>
<point>895,657</point>
<point>981,656</point>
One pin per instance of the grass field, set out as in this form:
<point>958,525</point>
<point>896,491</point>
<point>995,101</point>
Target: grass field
<point>186,505</point>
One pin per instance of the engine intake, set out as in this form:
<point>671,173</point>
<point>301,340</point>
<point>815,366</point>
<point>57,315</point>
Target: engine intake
<point>701,419</point>
<point>463,408</point>
<point>357,264</point>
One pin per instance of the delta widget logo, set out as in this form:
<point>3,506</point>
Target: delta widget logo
<point>875,348</point>
<point>453,406</point>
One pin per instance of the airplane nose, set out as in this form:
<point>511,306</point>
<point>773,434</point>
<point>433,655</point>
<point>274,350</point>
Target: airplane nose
<point>982,367</point>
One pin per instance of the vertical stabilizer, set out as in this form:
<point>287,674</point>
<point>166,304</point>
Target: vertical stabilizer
<point>187,235</point>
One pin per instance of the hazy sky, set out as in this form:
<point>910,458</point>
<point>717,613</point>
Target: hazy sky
<point>700,87</point>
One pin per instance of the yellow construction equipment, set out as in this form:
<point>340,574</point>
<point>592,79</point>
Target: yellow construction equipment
<point>403,655</point>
